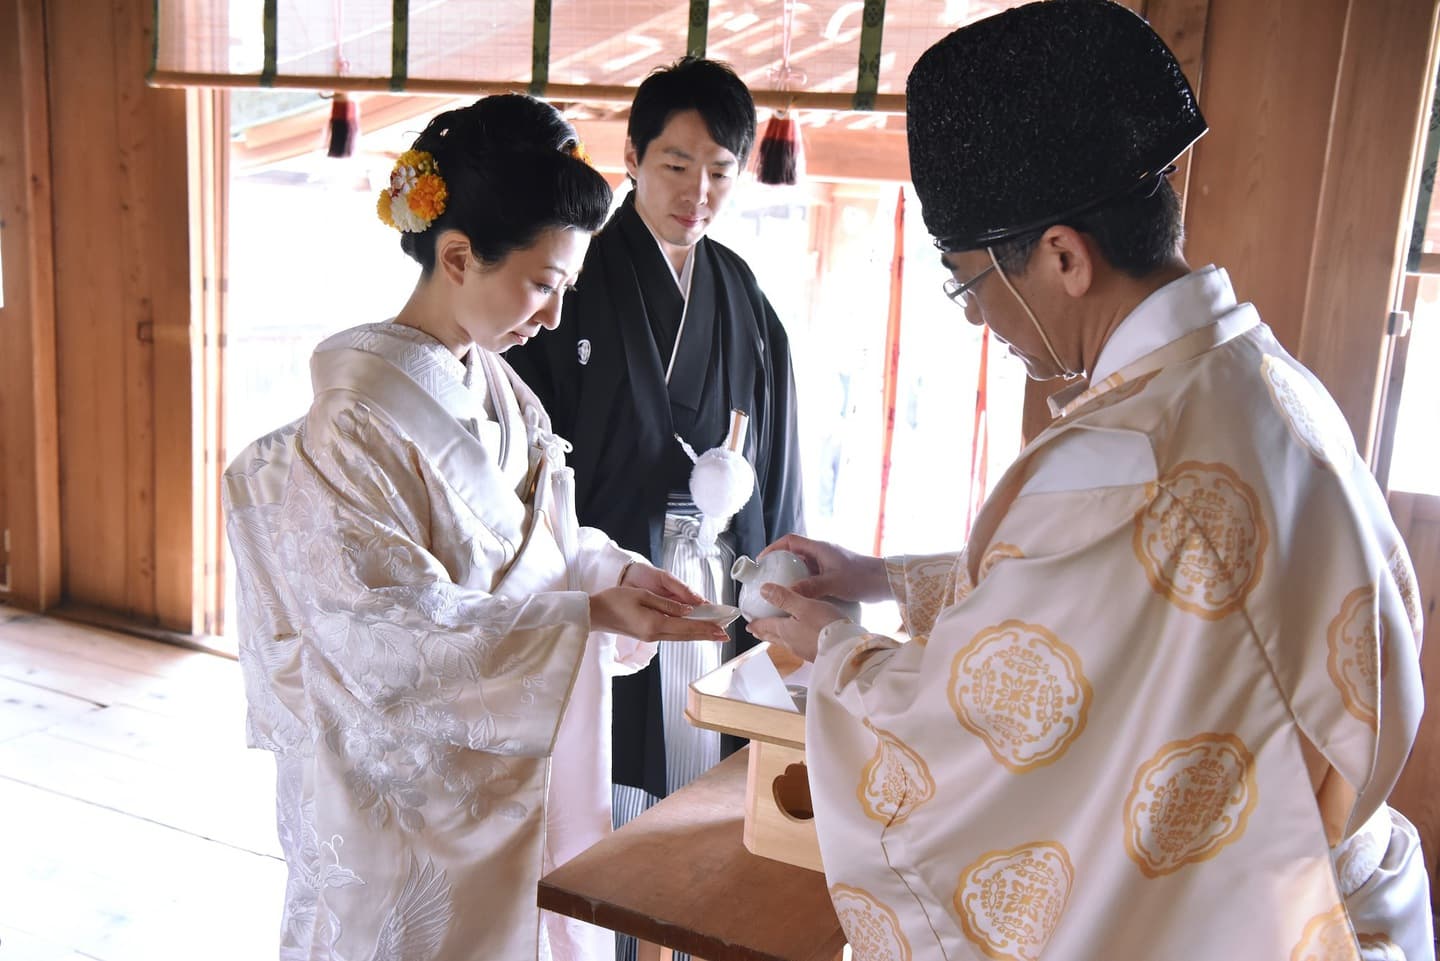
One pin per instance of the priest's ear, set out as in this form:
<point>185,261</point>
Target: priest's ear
<point>1068,256</point>
<point>452,255</point>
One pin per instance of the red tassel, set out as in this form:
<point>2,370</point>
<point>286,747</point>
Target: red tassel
<point>779,157</point>
<point>344,126</point>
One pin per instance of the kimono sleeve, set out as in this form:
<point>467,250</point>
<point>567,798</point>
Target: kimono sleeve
<point>925,584</point>
<point>601,563</point>
<point>391,633</point>
<point>1040,568</point>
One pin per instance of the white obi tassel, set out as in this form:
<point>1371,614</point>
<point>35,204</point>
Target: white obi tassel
<point>721,481</point>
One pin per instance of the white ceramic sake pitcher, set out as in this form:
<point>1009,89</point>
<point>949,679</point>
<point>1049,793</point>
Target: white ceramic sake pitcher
<point>777,567</point>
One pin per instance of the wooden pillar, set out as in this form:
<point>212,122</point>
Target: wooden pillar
<point>1362,230</point>
<point>29,479</point>
<point>1302,188</point>
<point>123,317</point>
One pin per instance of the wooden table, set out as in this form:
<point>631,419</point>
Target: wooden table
<point>679,876</point>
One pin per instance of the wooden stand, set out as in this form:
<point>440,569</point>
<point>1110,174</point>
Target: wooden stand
<point>779,815</point>
<point>679,877</point>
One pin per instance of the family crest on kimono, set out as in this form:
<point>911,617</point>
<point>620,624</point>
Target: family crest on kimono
<point>427,634</point>
<point>1155,707</point>
<point>666,336</point>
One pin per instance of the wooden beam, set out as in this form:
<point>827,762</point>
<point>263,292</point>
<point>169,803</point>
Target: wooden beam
<point>1381,111</point>
<point>573,93</point>
<point>29,457</point>
<point>835,151</point>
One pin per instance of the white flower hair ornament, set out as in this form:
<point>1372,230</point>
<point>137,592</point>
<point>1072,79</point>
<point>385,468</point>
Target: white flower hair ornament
<point>416,194</point>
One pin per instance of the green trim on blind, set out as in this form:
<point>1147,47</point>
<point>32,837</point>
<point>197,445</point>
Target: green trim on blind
<point>867,70</point>
<point>1426,189</point>
<point>399,43</point>
<point>699,36</point>
<point>272,47</point>
<point>155,36</point>
<point>540,49</point>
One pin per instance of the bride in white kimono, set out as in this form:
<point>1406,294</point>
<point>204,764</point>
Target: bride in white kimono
<point>427,635</point>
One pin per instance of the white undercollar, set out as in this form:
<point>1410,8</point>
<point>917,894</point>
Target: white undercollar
<point>682,279</point>
<point>1183,305</point>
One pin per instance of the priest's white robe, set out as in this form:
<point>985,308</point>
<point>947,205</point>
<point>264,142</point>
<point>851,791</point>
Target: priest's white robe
<point>416,647</point>
<point>1155,708</point>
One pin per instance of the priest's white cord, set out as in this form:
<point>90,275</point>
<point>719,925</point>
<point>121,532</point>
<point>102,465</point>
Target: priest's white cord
<point>1065,371</point>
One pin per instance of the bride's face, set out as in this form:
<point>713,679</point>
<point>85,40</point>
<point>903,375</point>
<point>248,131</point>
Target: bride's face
<point>501,305</point>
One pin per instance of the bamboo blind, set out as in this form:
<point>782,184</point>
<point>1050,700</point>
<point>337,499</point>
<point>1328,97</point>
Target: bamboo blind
<point>853,54</point>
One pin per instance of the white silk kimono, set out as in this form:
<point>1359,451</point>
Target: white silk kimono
<point>416,646</point>
<point>1156,707</point>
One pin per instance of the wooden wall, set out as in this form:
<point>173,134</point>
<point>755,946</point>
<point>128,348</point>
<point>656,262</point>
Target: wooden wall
<point>122,316</point>
<point>1256,177</point>
<point>29,480</point>
<point>1301,189</point>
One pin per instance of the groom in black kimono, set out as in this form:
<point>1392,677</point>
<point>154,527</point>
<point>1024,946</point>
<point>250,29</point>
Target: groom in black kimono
<point>665,334</point>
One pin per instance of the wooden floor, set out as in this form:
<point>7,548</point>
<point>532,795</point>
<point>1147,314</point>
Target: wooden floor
<point>134,823</point>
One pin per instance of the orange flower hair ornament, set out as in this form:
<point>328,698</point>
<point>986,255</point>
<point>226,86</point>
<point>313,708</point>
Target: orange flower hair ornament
<point>578,151</point>
<point>416,194</point>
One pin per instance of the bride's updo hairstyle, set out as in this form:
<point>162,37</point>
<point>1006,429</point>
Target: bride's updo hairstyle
<point>512,167</point>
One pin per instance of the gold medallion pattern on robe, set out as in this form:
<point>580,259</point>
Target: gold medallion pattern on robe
<point>929,586</point>
<point>1022,691</point>
<point>1192,798</point>
<point>872,929</point>
<point>1313,422</point>
<point>1202,546</point>
<point>1354,661</point>
<point>1327,937</point>
<point>995,554</point>
<point>1010,902</point>
<point>1404,574</point>
<point>896,780</point>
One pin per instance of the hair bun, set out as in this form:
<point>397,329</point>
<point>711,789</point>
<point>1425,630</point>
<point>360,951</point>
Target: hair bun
<point>505,122</point>
<point>519,122</point>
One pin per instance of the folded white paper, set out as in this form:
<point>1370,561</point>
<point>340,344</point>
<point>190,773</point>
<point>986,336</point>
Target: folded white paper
<point>756,680</point>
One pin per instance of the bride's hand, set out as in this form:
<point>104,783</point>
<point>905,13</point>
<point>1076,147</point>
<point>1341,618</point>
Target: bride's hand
<point>659,582</point>
<point>647,616</point>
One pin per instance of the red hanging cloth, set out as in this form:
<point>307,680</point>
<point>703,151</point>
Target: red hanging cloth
<point>892,364</point>
<point>980,437</point>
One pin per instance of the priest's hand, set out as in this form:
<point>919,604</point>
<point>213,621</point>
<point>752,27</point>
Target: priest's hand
<point>656,581</point>
<point>646,616</point>
<point>800,632</point>
<point>835,571</point>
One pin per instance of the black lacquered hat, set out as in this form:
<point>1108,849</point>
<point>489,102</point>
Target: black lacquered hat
<point>1041,113</point>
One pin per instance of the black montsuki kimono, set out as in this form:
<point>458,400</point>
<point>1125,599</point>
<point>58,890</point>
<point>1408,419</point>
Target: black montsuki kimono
<point>601,376</point>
